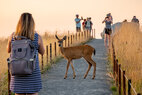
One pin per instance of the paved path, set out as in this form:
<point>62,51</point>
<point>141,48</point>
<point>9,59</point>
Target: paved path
<point>55,84</point>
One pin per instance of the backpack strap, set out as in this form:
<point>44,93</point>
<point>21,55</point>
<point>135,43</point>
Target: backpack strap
<point>36,40</point>
<point>20,37</point>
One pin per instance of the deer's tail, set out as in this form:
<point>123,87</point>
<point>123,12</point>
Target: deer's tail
<point>94,51</point>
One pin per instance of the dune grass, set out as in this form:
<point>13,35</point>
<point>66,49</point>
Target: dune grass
<point>128,47</point>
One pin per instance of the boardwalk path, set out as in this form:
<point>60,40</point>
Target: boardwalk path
<point>55,84</point>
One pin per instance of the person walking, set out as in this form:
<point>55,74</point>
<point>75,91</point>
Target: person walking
<point>108,31</point>
<point>27,84</point>
<point>78,24</point>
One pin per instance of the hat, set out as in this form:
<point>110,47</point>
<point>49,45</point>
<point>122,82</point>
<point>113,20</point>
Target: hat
<point>77,14</point>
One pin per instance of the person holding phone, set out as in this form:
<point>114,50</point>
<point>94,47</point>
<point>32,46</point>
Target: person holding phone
<point>108,31</point>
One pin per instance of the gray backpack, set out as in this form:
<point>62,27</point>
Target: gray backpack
<point>23,56</point>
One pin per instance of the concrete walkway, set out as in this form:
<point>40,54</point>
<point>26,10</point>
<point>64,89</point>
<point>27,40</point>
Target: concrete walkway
<point>54,83</point>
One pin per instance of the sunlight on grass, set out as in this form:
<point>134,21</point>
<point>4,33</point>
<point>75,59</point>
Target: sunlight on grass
<point>128,47</point>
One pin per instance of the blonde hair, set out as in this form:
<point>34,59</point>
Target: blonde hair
<point>26,26</point>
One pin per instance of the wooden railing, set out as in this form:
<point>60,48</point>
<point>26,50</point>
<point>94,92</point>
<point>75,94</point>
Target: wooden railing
<point>71,39</point>
<point>123,83</point>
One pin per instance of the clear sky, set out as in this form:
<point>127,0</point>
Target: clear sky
<point>55,15</point>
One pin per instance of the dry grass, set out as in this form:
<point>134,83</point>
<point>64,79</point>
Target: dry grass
<point>47,39</point>
<point>128,47</point>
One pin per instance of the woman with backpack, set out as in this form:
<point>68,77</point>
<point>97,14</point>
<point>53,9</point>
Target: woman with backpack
<point>26,84</point>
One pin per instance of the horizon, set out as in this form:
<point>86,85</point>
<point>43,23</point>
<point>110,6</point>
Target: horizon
<point>58,15</point>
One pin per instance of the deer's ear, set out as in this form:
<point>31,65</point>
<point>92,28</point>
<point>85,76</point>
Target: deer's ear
<point>56,37</point>
<point>65,37</point>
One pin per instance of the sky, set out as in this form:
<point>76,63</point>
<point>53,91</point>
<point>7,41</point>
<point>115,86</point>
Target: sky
<point>59,15</point>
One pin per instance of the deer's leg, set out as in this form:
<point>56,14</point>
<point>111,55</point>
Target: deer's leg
<point>74,75</point>
<point>89,67</point>
<point>68,64</point>
<point>89,59</point>
<point>94,64</point>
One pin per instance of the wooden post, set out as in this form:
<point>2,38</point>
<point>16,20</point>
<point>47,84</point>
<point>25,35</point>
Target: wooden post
<point>55,49</point>
<point>119,74</point>
<point>129,86</point>
<point>114,58</point>
<point>79,36</point>
<point>42,65</point>
<point>87,34</point>
<point>47,53</point>
<point>116,73</point>
<point>92,33</point>
<point>114,65</point>
<point>124,83</point>
<point>71,39</point>
<point>58,48</point>
<point>68,41</point>
<point>68,38</point>
<point>65,42</point>
<point>82,36</point>
<point>9,78</point>
<point>50,52</point>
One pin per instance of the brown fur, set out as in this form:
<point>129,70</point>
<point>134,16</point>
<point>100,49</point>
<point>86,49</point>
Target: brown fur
<point>77,52</point>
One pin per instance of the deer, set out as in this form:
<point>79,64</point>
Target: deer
<point>77,52</point>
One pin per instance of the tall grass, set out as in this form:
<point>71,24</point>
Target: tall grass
<point>128,47</point>
<point>47,39</point>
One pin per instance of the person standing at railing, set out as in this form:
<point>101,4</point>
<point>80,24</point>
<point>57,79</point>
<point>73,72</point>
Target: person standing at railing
<point>135,20</point>
<point>108,30</point>
<point>78,23</point>
<point>89,24</point>
<point>27,84</point>
<point>83,25</point>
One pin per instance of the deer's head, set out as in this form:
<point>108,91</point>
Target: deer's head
<point>60,41</point>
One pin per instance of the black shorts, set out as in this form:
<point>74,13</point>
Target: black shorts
<point>108,31</point>
<point>78,29</point>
